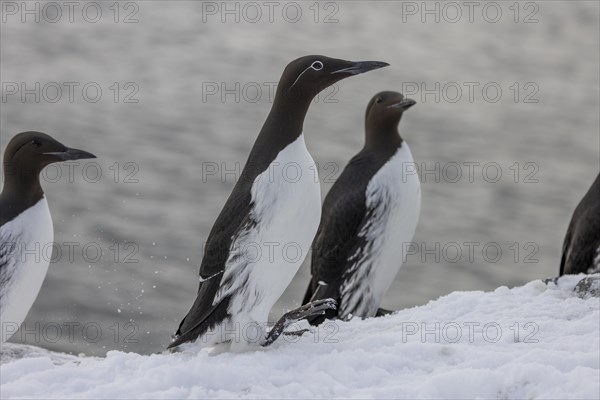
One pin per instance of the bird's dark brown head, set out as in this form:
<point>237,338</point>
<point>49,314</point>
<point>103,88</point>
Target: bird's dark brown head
<point>384,112</point>
<point>24,158</point>
<point>306,76</point>
<point>29,152</point>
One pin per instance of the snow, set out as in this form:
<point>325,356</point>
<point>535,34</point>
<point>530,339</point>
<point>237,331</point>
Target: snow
<point>556,355</point>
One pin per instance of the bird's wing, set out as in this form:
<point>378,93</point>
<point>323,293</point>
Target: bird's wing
<point>340,270</point>
<point>355,284</point>
<point>336,239</point>
<point>7,259</point>
<point>344,212</point>
<point>565,249</point>
<point>583,235</point>
<point>230,227</point>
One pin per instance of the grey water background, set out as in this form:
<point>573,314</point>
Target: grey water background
<point>161,201</point>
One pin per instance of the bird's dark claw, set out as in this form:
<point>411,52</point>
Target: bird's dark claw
<point>317,307</point>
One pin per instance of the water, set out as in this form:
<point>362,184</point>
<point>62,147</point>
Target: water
<point>153,204</point>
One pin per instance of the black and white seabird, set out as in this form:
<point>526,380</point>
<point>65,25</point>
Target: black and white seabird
<point>581,248</point>
<point>25,222</point>
<point>368,216</point>
<point>264,231</point>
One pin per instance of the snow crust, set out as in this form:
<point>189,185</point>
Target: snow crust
<point>538,341</point>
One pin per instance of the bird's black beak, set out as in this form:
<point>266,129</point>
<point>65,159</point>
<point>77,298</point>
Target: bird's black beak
<point>360,67</point>
<point>71,154</point>
<point>405,104</point>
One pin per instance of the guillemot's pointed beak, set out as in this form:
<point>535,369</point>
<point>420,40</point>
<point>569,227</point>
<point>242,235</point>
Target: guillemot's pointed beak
<point>360,67</point>
<point>71,154</point>
<point>404,104</point>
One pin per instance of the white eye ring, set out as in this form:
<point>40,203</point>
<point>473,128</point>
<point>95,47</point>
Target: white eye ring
<point>316,65</point>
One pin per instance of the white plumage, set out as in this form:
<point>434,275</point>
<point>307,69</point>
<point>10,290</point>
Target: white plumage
<point>264,258</point>
<point>393,201</point>
<point>25,264</point>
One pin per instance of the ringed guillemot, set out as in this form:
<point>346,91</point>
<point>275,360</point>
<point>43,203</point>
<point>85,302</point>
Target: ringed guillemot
<point>581,247</point>
<point>25,221</point>
<point>269,209</point>
<point>369,214</point>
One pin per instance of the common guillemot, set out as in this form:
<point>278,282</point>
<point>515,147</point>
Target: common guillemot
<point>25,222</point>
<point>270,208</point>
<point>368,216</point>
<point>581,247</point>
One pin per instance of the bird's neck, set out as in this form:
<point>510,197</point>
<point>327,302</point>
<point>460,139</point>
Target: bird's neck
<point>383,134</point>
<point>288,111</point>
<point>285,122</point>
<point>283,126</point>
<point>22,185</point>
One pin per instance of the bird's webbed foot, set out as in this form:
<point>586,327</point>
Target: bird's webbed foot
<point>318,307</point>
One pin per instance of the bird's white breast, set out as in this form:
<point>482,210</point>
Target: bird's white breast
<point>287,210</point>
<point>28,238</point>
<point>394,196</point>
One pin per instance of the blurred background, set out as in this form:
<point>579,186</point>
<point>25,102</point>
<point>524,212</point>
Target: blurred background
<point>170,97</point>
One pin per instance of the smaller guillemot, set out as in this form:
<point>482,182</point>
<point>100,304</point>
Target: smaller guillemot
<point>368,216</point>
<point>581,248</point>
<point>24,222</point>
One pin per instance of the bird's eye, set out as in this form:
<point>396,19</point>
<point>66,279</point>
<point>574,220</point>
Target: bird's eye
<point>317,65</point>
<point>35,143</point>
<point>378,100</point>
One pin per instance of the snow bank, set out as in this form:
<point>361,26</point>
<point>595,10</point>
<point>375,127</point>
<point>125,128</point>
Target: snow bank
<point>536,341</point>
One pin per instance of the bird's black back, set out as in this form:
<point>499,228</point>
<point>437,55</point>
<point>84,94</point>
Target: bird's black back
<point>344,214</point>
<point>583,235</point>
<point>280,129</point>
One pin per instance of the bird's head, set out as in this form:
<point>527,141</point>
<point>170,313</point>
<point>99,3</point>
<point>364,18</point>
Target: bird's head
<point>306,76</point>
<point>385,110</point>
<point>30,152</point>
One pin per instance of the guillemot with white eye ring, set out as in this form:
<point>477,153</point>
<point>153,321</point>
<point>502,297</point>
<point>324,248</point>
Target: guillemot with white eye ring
<point>266,208</point>
<point>369,215</point>
<point>25,223</point>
